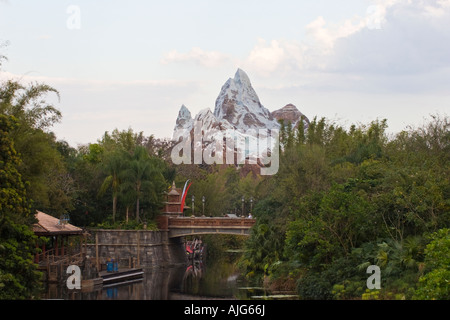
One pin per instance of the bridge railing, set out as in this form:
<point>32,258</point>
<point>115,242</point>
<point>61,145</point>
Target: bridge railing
<point>210,222</point>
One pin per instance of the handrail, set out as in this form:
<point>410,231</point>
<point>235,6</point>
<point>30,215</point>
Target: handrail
<point>210,222</point>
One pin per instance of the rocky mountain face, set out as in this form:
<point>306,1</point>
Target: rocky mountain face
<point>237,107</point>
<point>184,120</point>
<point>239,104</point>
<point>290,114</point>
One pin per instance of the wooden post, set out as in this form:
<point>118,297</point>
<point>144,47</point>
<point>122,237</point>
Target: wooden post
<point>96,251</point>
<point>62,245</point>
<point>83,243</point>
<point>138,248</point>
<point>56,246</point>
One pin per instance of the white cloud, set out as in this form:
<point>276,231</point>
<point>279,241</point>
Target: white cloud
<point>197,55</point>
<point>398,45</point>
<point>283,56</point>
<point>265,57</point>
<point>325,34</point>
<point>392,36</point>
<point>44,37</point>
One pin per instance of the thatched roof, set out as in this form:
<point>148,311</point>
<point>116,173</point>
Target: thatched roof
<point>48,225</point>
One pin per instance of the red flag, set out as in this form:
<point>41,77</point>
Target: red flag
<point>183,197</point>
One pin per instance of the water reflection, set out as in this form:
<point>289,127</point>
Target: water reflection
<point>219,280</point>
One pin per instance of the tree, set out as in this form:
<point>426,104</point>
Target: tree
<point>28,105</point>
<point>144,176</point>
<point>113,167</point>
<point>42,165</point>
<point>434,283</point>
<point>19,278</point>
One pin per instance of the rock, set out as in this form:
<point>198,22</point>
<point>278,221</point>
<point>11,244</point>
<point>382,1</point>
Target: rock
<point>239,105</point>
<point>290,113</point>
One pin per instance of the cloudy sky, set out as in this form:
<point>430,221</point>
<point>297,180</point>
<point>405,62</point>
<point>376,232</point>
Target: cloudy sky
<point>121,64</point>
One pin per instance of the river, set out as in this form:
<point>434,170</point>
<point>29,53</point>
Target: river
<point>215,280</point>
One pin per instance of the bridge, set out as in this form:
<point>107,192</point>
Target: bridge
<point>186,226</point>
<point>173,219</point>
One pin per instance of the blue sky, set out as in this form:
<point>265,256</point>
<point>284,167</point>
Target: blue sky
<point>120,64</point>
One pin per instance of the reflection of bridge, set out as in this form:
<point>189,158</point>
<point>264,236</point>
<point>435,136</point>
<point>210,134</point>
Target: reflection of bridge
<point>185,226</point>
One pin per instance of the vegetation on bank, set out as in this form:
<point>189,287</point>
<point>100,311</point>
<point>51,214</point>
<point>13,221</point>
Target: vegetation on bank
<point>18,274</point>
<point>343,199</point>
<point>347,199</point>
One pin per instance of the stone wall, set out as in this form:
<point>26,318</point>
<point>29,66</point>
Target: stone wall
<point>135,248</point>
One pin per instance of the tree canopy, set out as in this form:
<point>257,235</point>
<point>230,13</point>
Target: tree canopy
<point>347,199</point>
<point>19,278</point>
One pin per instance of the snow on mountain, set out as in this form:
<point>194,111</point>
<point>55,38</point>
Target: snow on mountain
<point>237,132</point>
<point>184,123</point>
<point>238,114</point>
<point>237,107</point>
<point>239,104</point>
<point>210,124</point>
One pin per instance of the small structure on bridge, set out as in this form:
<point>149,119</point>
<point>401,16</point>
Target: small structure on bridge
<point>172,205</point>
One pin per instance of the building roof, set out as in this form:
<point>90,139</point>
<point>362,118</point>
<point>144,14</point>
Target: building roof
<point>48,225</point>
<point>173,191</point>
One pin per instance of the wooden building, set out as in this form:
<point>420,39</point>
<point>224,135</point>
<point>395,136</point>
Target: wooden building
<point>65,244</point>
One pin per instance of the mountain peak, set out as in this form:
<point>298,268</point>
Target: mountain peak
<point>290,114</point>
<point>204,113</point>
<point>237,107</point>
<point>239,104</point>
<point>184,123</point>
<point>184,113</point>
<point>241,77</point>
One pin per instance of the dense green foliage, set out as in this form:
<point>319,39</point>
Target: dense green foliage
<point>18,276</point>
<point>118,181</point>
<point>434,284</point>
<point>347,199</point>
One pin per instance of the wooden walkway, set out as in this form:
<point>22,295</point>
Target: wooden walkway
<point>122,275</point>
<point>56,266</point>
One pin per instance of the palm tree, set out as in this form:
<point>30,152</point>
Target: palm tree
<point>113,167</point>
<point>143,177</point>
<point>127,198</point>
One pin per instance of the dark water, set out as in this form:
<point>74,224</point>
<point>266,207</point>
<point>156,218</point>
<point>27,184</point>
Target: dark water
<point>217,280</point>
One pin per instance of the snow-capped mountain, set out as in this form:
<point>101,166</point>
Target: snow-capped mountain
<point>240,131</point>
<point>184,122</point>
<point>237,108</point>
<point>239,104</point>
